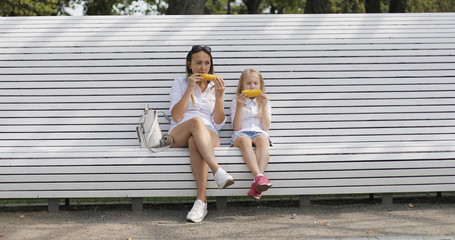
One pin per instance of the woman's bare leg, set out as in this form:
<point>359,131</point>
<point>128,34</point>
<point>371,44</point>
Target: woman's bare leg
<point>204,140</point>
<point>199,165</point>
<point>200,170</point>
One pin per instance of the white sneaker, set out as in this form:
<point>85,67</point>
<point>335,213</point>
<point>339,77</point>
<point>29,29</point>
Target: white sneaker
<point>223,179</point>
<point>198,212</point>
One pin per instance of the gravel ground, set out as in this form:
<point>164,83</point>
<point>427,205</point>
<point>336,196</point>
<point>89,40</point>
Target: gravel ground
<point>407,218</point>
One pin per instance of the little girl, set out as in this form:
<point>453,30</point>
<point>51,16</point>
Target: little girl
<point>251,121</point>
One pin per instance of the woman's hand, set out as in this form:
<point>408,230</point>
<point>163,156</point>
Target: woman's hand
<point>193,80</point>
<point>219,87</point>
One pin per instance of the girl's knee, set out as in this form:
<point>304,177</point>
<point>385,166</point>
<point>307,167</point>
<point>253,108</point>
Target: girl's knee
<point>261,141</point>
<point>243,141</point>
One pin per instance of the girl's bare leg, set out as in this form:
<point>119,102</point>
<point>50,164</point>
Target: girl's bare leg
<point>246,147</point>
<point>262,152</point>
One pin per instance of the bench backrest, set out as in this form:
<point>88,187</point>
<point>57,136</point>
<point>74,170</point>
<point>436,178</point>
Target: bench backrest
<point>83,81</point>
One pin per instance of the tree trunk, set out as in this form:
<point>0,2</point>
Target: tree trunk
<point>397,6</point>
<point>186,7</point>
<point>99,7</point>
<point>252,6</point>
<point>317,6</point>
<point>372,6</point>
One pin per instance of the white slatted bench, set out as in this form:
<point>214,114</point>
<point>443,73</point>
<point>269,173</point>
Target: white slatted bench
<point>361,103</point>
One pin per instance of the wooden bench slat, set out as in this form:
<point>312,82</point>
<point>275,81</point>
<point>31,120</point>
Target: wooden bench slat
<point>227,192</point>
<point>188,176</point>
<point>190,184</point>
<point>168,57</point>
<point>181,45</point>
<point>297,53</point>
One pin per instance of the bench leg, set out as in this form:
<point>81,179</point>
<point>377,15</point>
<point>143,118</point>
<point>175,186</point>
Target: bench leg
<point>387,198</point>
<point>137,205</point>
<point>221,203</point>
<point>52,205</point>
<point>371,196</point>
<point>305,201</point>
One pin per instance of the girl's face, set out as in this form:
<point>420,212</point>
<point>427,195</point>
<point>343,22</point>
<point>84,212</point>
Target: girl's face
<point>200,62</point>
<point>251,82</point>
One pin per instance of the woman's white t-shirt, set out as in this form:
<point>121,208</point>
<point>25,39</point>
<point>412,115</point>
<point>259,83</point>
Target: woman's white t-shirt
<point>203,107</point>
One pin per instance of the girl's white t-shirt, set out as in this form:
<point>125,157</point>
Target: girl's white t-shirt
<point>250,115</point>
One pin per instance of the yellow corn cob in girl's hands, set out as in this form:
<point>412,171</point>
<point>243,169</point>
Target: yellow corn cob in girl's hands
<point>209,77</point>
<point>252,93</point>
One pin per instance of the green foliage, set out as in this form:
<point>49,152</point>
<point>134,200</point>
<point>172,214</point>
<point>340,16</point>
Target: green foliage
<point>348,6</point>
<point>221,7</point>
<point>130,7</point>
<point>28,7</point>
<point>284,6</point>
<point>431,6</point>
<point>158,6</point>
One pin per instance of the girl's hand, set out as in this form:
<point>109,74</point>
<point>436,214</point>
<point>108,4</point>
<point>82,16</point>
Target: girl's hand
<point>263,99</point>
<point>241,99</point>
<point>219,87</point>
<point>193,79</point>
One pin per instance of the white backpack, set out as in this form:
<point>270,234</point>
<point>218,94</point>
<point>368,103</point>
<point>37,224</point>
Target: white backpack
<point>149,132</point>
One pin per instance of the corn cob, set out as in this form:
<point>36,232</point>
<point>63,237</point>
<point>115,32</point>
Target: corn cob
<point>209,77</point>
<point>252,93</point>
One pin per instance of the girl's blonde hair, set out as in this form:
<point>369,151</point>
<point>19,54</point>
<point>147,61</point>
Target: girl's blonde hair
<point>253,73</point>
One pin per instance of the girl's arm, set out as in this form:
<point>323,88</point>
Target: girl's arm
<point>265,118</point>
<point>237,121</point>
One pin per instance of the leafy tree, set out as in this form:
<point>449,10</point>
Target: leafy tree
<point>317,6</point>
<point>100,7</point>
<point>185,7</point>
<point>252,5</point>
<point>372,6</point>
<point>431,6</point>
<point>28,7</point>
<point>225,7</point>
<point>397,6</point>
<point>129,7</point>
<point>284,6</point>
<point>348,6</point>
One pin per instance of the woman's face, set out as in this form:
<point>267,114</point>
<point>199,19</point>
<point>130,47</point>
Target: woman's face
<point>200,62</point>
<point>251,82</point>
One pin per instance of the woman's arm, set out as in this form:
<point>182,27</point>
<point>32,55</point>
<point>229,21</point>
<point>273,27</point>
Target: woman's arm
<point>218,115</point>
<point>178,110</point>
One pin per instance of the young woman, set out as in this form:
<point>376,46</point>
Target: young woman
<point>197,115</point>
<point>251,119</point>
